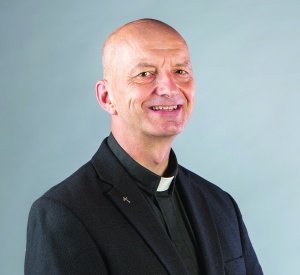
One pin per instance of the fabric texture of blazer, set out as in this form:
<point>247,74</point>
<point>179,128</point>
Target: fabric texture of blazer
<point>98,222</point>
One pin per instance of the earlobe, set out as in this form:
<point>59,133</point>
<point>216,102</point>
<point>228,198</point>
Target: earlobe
<point>104,97</point>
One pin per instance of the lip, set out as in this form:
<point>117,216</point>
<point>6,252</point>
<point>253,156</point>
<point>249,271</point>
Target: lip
<point>169,109</point>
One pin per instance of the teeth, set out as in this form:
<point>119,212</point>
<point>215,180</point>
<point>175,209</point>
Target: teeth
<point>165,108</point>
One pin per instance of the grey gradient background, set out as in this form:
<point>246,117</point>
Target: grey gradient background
<point>244,134</point>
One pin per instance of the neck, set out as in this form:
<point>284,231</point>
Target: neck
<point>151,152</point>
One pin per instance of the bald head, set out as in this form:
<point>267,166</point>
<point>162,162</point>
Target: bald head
<point>148,85</point>
<point>137,33</point>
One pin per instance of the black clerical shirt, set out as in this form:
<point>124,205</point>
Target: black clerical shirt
<point>166,205</point>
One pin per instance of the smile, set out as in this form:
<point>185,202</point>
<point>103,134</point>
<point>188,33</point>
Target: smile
<point>165,108</point>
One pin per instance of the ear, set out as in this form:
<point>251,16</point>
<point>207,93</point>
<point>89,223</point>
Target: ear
<point>104,97</point>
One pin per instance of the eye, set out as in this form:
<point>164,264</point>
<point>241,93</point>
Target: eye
<point>144,77</point>
<point>145,74</point>
<point>181,72</point>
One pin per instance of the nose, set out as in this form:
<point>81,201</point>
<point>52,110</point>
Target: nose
<point>166,86</point>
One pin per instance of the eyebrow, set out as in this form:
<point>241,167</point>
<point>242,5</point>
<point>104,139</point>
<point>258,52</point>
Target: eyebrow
<point>184,64</point>
<point>149,65</point>
<point>142,65</point>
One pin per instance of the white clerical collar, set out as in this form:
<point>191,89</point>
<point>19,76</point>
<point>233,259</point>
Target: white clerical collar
<point>164,184</point>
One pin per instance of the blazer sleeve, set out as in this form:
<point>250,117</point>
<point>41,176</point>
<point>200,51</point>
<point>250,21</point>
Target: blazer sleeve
<point>251,262</point>
<point>58,243</point>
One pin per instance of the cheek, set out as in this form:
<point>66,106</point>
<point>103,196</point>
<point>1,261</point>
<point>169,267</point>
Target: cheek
<point>140,96</point>
<point>132,101</point>
<point>122,97</point>
<point>188,91</point>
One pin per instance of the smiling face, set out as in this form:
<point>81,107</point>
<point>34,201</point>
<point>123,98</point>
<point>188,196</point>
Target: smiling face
<point>149,86</point>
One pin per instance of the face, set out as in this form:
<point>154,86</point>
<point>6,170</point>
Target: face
<point>151,85</point>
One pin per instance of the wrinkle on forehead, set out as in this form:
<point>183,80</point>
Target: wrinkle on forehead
<point>135,34</point>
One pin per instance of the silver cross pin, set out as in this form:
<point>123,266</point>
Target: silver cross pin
<point>126,199</point>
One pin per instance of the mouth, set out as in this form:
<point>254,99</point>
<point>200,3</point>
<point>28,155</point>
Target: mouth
<point>168,108</point>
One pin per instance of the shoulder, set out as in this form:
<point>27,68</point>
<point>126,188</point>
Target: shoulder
<point>77,200</point>
<point>216,197</point>
<point>80,181</point>
<point>85,190</point>
<point>199,182</point>
<point>81,190</point>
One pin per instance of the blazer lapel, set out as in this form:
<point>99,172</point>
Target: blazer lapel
<point>133,205</point>
<point>127,197</point>
<point>202,224</point>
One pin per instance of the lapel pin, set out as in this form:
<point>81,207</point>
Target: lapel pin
<point>126,199</point>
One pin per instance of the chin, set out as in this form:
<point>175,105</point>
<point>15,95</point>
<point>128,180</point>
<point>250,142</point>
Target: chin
<point>164,130</point>
<point>167,133</point>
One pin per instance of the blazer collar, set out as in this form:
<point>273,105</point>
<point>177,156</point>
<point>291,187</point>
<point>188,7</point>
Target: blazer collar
<point>202,223</point>
<point>127,197</point>
<point>146,179</point>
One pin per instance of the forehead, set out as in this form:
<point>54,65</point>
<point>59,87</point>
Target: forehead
<point>153,37</point>
<point>158,58</point>
<point>144,43</point>
<point>155,47</point>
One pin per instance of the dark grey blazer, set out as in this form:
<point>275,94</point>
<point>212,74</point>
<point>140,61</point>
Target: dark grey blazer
<point>98,222</point>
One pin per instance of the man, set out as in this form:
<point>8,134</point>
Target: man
<point>132,209</point>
